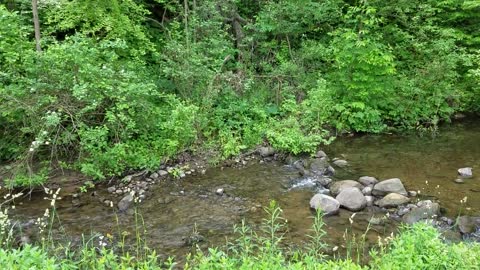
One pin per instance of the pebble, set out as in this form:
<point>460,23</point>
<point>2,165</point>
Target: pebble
<point>162,173</point>
<point>154,175</point>
<point>459,181</point>
<point>111,189</point>
<point>219,191</point>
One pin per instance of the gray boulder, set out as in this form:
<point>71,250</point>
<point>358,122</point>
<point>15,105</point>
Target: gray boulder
<point>327,204</point>
<point>319,166</point>
<point>425,210</point>
<point>338,186</point>
<point>320,154</point>
<point>465,172</point>
<point>468,224</point>
<point>367,180</point>
<point>352,199</point>
<point>266,151</point>
<point>393,185</point>
<point>392,200</point>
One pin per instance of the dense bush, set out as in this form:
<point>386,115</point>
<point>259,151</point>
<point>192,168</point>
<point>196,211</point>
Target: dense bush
<point>127,84</point>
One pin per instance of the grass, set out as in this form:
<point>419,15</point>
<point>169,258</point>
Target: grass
<point>414,247</point>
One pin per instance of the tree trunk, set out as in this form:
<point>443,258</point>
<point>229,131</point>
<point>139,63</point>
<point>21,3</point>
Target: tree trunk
<point>36,24</point>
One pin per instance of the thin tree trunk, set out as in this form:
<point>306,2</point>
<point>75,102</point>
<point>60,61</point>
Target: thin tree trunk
<point>36,24</point>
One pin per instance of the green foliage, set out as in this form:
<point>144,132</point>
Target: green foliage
<point>108,20</point>
<point>126,84</point>
<point>26,180</point>
<point>420,247</point>
<point>26,258</point>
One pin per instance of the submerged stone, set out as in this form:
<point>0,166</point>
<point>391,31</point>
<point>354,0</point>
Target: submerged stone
<point>340,163</point>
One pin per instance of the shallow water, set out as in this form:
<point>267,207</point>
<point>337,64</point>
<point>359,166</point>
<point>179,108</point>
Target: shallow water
<point>424,163</point>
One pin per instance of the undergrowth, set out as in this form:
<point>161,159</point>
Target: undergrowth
<point>415,247</point>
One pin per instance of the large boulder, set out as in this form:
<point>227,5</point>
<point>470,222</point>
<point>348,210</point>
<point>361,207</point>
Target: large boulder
<point>468,224</point>
<point>425,210</point>
<point>352,199</point>
<point>327,204</point>
<point>393,185</point>
<point>392,200</point>
<point>465,172</point>
<point>367,180</point>
<point>319,166</point>
<point>338,186</point>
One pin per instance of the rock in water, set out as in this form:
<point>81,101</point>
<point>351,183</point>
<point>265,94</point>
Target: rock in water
<point>125,202</point>
<point>465,172</point>
<point>393,185</point>
<point>340,163</point>
<point>266,151</point>
<point>324,181</point>
<point>352,199</point>
<point>367,180</point>
<point>320,154</point>
<point>392,200</point>
<point>459,181</point>
<point>425,210</point>
<point>319,166</point>
<point>468,224</point>
<point>327,204</point>
<point>338,186</point>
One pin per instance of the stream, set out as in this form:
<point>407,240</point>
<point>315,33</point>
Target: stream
<point>174,209</point>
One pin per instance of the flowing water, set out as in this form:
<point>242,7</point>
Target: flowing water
<point>175,209</point>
